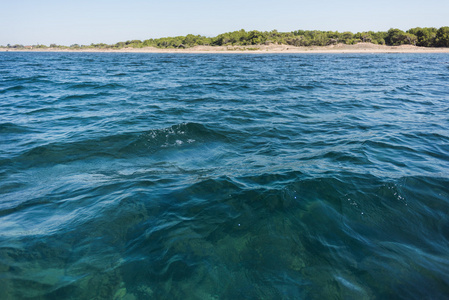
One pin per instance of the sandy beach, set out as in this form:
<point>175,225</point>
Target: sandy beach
<point>339,48</point>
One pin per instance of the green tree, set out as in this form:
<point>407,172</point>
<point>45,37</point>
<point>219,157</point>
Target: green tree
<point>218,40</point>
<point>99,45</point>
<point>256,37</point>
<point>396,37</point>
<point>379,37</point>
<point>120,45</point>
<point>365,37</point>
<point>425,36</point>
<point>442,37</point>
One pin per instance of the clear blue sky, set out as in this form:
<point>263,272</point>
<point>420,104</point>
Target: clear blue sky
<point>109,21</point>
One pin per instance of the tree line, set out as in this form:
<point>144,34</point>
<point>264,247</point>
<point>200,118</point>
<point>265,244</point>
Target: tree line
<point>424,37</point>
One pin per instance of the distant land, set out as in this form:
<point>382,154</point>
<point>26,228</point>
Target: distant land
<point>394,40</point>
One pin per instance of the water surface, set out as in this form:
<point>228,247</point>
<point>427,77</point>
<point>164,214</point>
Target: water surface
<point>230,176</point>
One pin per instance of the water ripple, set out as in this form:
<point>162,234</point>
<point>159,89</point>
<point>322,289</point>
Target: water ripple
<point>136,176</point>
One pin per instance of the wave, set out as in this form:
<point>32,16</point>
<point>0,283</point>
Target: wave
<point>118,146</point>
<point>15,88</point>
<point>173,137</point>
<point>95,85</point>
<point>120,74</point>
<point>83,96</point>
<point>11,128</point>
<point>27,80</point>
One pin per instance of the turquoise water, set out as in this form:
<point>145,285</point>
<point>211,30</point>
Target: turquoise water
<point>231,176</point>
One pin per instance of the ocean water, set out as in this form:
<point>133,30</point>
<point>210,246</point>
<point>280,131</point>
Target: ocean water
<point>224,176</point>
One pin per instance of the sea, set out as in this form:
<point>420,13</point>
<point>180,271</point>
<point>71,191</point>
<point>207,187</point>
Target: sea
<point>224,176</point>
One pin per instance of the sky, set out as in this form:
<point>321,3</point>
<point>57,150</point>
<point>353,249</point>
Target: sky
<point>31,22</point>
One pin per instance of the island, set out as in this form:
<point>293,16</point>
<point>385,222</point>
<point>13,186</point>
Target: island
<point>427,39</point>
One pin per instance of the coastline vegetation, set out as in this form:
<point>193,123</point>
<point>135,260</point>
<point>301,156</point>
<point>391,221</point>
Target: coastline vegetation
<point>424,37</point>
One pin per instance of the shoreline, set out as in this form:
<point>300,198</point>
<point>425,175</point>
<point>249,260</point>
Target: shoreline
<point>256,49</point>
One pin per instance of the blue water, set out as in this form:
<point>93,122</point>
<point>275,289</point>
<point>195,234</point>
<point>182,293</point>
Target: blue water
<point>229,176</point>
